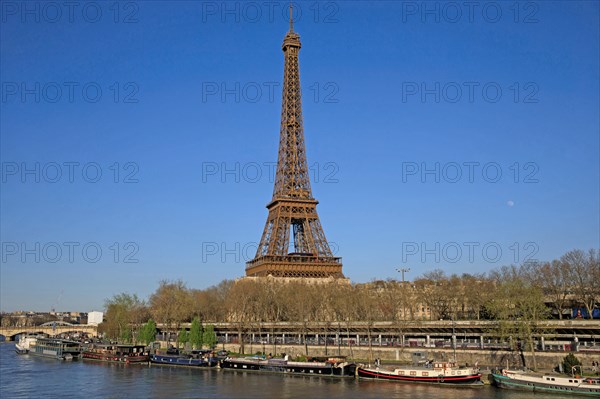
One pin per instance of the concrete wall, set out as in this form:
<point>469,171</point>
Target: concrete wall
<point>485,358</point>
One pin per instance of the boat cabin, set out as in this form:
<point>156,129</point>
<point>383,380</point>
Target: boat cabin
<point>118,350</point>
<point>444,365</point>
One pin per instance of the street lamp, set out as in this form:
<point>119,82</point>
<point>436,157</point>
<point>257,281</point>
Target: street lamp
<point>453,337</point>
<point>403,270</point>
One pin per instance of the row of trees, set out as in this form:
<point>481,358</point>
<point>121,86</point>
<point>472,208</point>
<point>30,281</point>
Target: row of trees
<point>131,319</point>
<point>527,293</point>
<point>27,320</point>
<point>570,281</point>
<point>198,335</point>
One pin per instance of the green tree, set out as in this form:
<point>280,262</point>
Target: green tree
<point>569,362</point>
<point>148,332</point>
<point>124,313</point>
<point>196,334</point>
<point>209,337</point>
<point>126,335</point>
<point>183,337</point>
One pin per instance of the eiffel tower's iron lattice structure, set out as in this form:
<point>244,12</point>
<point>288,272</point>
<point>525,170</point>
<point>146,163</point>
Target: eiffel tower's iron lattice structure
<point>293,210</point>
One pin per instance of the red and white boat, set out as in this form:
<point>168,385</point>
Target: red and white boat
<point>447,373</point>
<point>116,353</point>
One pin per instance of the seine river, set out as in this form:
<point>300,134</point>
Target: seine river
<point>24,376</point>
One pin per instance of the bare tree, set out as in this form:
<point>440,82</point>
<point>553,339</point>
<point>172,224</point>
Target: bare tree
<point>518,307</point>
<point>555,278</point>
<point>584,270</point>
<point>435,291</point>
<point>171,304</point>
<point>477,291</point>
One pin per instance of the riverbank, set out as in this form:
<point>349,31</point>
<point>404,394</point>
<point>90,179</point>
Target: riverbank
<point>484,358</point>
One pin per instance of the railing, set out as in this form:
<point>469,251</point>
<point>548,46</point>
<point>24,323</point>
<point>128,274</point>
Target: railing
<point>293,259</point>
<point>419,343</point>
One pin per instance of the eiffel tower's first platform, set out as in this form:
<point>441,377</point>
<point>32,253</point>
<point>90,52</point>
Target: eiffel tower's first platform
<point>293,210</point>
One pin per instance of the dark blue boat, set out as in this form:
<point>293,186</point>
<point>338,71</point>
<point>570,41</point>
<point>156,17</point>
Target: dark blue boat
<point>193,360</point>
<point>332,367</point>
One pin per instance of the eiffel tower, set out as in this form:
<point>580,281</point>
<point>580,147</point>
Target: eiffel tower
<point>293,210</point>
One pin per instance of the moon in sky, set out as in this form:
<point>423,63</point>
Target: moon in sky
<point>510,203</point>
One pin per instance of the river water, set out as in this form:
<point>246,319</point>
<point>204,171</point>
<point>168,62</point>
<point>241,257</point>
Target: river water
<point>25,376</point>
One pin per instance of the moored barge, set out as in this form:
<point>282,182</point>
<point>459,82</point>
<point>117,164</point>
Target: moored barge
<point>196,358</point>
<point>330,367</point>
<point>55,348</point>
<point>24,344</point>
<point>116,353</point>
<point>547,383</point>
<point>446,373</point>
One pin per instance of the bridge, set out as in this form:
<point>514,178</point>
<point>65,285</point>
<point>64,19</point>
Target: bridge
<point>50,328</point>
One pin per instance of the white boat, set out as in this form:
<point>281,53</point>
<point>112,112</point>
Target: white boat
<point>447,373</point>
<point>547,383</point>
<point>56,348</point>
<point>24,344</point>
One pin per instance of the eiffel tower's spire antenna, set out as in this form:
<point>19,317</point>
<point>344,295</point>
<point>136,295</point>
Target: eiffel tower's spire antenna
<point>291,17</point>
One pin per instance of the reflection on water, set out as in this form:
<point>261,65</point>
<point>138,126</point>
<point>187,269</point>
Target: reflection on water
<point>24,376</point>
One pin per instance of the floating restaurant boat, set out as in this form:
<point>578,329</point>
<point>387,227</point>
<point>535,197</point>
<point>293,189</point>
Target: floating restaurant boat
<point>193,359</point>
<point>327,367</point>
<point>547,383</point>
<point>446,373</point>
<point>61,349</point>
<point>116,353</point>
<point>23,346</point>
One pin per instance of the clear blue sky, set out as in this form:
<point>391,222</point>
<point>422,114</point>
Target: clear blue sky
<point>370,71</point>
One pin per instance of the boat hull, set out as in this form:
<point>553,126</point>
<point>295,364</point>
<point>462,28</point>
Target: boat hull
<point>23,346</point>
<point>505,382</point>
<point>471,380</point>
<point>56,349</point>
<point>182,361</point>
<point>114,358</point>
<point>55,354</point>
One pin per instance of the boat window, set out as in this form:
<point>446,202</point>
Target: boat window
<point>413,373</point>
